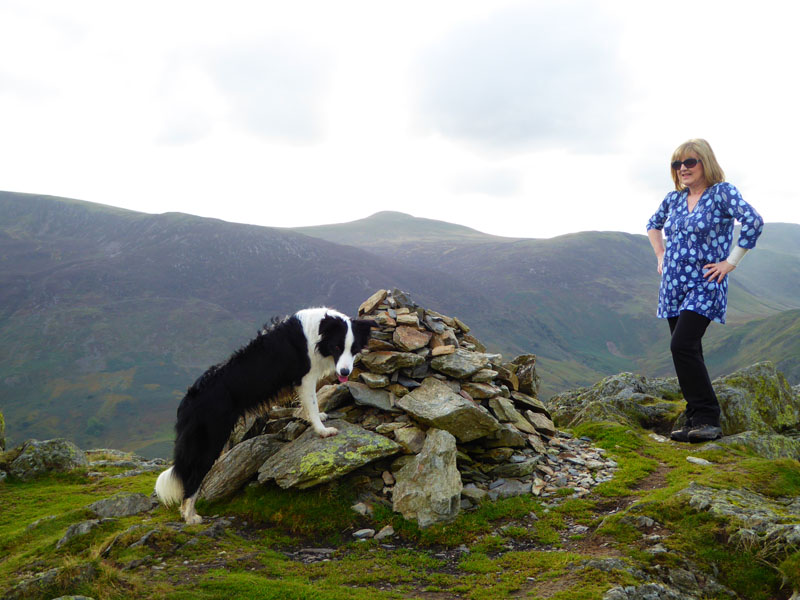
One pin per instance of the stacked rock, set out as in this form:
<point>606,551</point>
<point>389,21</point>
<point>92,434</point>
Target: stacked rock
<point>427,365</point>
<point>425,372</point>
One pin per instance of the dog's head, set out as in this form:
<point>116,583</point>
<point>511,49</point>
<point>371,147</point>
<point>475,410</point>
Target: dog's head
<point>342,338</point>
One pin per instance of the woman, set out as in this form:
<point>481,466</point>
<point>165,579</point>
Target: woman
<point>698,219</point>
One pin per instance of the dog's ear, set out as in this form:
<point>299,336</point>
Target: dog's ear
<point>364,324</point>
<point>328,324</point>
<point>332,332</point>
<point>361,329</point>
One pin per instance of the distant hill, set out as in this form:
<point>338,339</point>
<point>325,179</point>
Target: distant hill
<point>108,315</point>
<point>396,228</point>
<point>593,293</point>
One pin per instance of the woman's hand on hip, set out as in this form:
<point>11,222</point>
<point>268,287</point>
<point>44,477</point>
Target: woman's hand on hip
<point>717,271</point>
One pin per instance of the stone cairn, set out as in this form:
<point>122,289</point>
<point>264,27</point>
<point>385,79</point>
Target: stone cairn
<point>429,423</point>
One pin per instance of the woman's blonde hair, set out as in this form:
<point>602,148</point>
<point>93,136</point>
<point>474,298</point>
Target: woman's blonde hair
<point>711,169</point>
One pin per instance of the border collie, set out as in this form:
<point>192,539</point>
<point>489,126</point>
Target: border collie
<point>296,352</point>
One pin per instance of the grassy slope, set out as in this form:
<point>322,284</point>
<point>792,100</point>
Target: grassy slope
<point>514,547</point>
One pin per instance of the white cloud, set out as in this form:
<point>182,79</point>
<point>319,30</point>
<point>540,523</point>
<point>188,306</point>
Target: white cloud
<point>496,182</point>
<point>276,87</point>
<point>531,75</point>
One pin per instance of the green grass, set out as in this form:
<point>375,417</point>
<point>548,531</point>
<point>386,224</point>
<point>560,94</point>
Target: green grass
<point>469,556</point>
<point>469,527</point>
<point>704,538</point>
<point>323,512</point>
<point>243,585</point>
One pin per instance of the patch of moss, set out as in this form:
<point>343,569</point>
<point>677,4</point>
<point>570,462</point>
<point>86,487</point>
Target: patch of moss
<point>243,585</point>
<point>466,528</point>
<point>779,478</point>
<point>704,538</point>
<point>790,570</point>
<point>322,512</point>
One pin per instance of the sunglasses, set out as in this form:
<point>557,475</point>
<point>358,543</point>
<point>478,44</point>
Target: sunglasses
<point>689,162</point>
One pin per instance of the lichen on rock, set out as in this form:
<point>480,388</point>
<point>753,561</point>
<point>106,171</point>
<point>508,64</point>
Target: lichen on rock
<point>39,457</point>
<point>311,460</point>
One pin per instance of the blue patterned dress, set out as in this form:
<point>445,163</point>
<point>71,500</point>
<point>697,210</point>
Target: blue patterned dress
<point>696,238</point>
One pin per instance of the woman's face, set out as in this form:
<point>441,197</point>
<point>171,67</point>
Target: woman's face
<point>692,177</point>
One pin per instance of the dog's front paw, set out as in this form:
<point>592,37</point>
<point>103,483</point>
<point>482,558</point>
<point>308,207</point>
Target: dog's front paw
<point>327,432</point>
<point>323,416</point>
<point>194,519</point>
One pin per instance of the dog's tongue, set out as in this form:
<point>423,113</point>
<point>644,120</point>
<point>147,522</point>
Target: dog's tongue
<point>342,378</point>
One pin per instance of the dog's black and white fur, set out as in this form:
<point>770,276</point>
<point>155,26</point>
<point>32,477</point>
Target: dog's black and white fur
<point>296,352</point>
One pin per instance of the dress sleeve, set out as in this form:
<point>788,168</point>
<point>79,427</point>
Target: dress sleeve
<point>734,206</point>
<point>660,217</point>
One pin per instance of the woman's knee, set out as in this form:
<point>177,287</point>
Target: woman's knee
<point>680,346</point>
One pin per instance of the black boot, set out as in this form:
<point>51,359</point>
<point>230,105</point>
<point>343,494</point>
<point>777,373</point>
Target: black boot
<point>704,433</point>
<point>682,434</point>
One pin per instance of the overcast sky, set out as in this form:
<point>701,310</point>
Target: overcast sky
<point>528,119</point>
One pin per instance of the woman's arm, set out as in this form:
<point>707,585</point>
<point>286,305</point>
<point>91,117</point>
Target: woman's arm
<point>752,226</point>
<point>654,227</point>
<point>656,238</point>
<point>719,270</point>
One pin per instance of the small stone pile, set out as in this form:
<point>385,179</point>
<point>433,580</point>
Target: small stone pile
<point>424,371</point>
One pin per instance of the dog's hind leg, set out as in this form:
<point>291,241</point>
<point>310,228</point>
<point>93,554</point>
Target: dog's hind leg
<point>188,512</point>
<point>308,400</point>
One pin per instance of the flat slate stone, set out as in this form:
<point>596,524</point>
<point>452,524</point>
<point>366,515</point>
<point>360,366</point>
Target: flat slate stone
<point>367,396</point>
<point>123,505</point>
<point>436,405</point>
<point>410,338</point>
<point>383,362</point>
<point>310,460</point>
<point>460,364</point>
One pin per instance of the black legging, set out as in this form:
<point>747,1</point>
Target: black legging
<point>702,406</point>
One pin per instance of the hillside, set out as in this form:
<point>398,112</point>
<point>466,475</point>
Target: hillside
<point>107,315</point>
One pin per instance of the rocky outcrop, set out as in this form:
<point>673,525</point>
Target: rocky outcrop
<point>770,524</point>
<point>624,398</point>
<point>33,587</point>
<point>35,458</point>
<point>123,505</point>
<point>766,445</point>
<point>757,398</point>
<point>760,411</point>
<point>648,591</point>
<point>78,530</point>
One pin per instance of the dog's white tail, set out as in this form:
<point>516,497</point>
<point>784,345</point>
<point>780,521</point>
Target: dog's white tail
<point>169,488</point>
